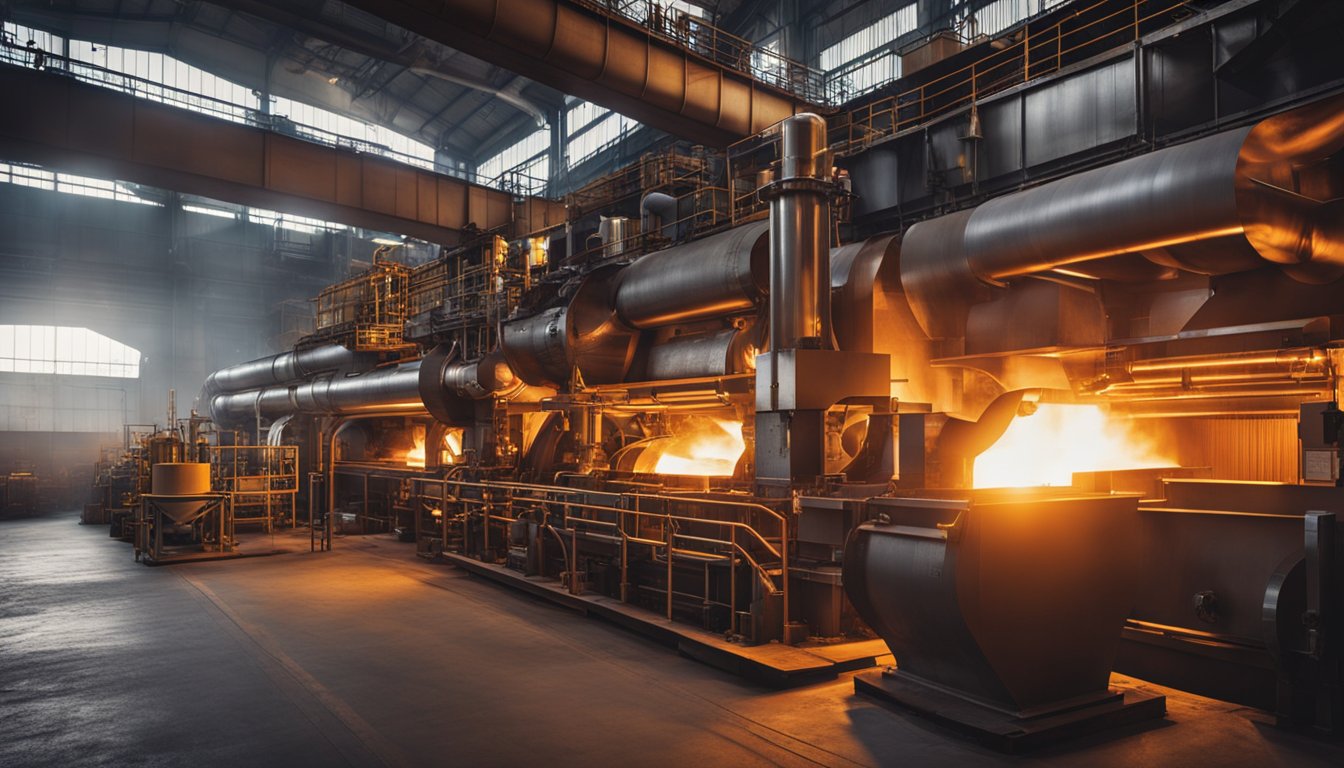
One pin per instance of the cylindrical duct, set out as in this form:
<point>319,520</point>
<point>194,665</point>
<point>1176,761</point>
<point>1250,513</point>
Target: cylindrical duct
<point>800,238</point>
<point>280,369</point>
<point>661,208</point>
<point>1239,187</point>
<point>710,277</point>
<point>383,389</point>
<point>722,353</point>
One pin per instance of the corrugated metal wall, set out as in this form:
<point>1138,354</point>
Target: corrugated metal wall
<point>1238,448</point>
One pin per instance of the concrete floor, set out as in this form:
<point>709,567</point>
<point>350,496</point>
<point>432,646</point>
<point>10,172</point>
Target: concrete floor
<point>367,656</point>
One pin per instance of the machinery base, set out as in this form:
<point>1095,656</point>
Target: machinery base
<point>774,665</point>
<point>1003,731</point>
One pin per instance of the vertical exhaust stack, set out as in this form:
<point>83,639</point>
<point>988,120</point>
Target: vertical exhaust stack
<point>800,242</point>
<point>803,374</point>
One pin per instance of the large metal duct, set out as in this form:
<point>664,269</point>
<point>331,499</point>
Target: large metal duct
<point>584,334</point>
<point>393,388</point>
<point>705,278</point>
<point>1264,188</point>
<point>280,369</point>
<point>721,353</point>
<point>603,58</point>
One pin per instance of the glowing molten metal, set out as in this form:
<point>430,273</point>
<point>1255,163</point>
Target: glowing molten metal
<point>1047,447</point>
<point>711,449</point>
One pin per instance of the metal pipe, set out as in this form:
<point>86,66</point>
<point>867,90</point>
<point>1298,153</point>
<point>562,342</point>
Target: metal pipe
<point>394,388</point>
<point>710,277</point>
<point>800,238</point>
<point>280,369</point>
<point>660,207</point>
<point>1240,186</point>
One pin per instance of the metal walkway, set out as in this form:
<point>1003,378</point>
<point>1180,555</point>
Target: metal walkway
<point>59,122</point>
<point>668,70</point>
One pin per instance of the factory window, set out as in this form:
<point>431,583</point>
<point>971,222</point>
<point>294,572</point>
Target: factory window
<point>292,222</point>
<point>166,80</point>
<point>526,165</point>
<point>591,128</point>
<point>409,150</point>
<point>867,59</point>
<point>995,17</point>
<point>19,35</point>
<point>40,178</point>
<point>196,89</point>
<point>64,350</point>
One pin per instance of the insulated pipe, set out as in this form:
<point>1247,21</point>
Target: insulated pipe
<point>1245,186</point>
<point>721,353</point>
<point>705,278</point>
<point>800,238</point>
<point>397,387</point>
<point>279,369</point>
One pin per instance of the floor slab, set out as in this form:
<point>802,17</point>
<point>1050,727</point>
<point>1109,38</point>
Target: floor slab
<point>367,655</point>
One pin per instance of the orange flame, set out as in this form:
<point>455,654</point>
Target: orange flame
<point>416,456</point>
<point>1047,447</point>
<point>710,449</point>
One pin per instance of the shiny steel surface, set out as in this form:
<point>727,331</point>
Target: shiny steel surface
<point>614,230</point>
<point>721,353</point>
<point>1012,597</point>
<point>280,369</point>
<point>584,335</point>
<point>800,237</point>
<point>1240,186</point>
<point>396,387</point>
<point>710,277</point>
<point>535,347</point>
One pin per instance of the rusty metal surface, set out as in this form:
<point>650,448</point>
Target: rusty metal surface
<point>81,128</point>
<point>605,59</point>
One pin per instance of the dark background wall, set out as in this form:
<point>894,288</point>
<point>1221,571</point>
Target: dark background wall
<point>192,292</point>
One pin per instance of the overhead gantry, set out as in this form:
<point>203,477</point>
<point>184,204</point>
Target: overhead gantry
<point>675,73</point>
<point>62,123</point>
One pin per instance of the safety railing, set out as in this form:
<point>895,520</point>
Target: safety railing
<point>639,519</point>
<point>708,211</point>
<point>245,114</point>
<point>696,35</point>
<point>1090,29</point>
<point>261,480</point>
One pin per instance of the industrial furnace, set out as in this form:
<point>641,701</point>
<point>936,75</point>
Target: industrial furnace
<point>755,429</point>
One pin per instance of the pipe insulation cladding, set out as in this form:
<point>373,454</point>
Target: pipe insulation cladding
<point>702,279</point>
<point>1261,191</point>
<point>392,388</point>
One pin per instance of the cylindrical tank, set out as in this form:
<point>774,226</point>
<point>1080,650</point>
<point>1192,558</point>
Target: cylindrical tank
<point>614,232</point>
<point>180,479</point>
<point>710,277</point>
<point>1011,597</point>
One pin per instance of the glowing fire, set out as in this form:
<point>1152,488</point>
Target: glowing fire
<point>710,449</point>
<point>416,456</point>
<point>1047,447</point>
<point>452,443</point>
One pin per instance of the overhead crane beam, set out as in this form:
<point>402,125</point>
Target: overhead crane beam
<point>578,48</point>
<point>60,123</point>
